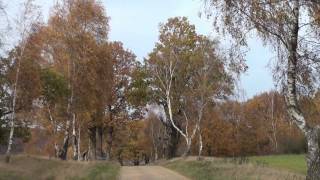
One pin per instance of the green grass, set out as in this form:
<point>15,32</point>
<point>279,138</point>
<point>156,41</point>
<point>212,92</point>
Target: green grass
<point>26,167</point>
<point>226,169</point>
<point>294,163</point>
<point>200,170</point>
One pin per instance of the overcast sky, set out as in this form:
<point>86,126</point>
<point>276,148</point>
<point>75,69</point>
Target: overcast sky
<point>136,22</point>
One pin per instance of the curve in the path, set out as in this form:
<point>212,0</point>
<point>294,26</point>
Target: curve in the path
<point>149,173</point>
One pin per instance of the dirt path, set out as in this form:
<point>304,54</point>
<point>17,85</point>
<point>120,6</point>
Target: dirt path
<point>149,173</point>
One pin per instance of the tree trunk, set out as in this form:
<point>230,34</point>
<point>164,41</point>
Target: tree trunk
<point>8,153</point>
<point>274,125</point>
<point>92,143</point>
<point>274,134</point>
<point>154,142</point>
<point>173,142</point>
<point>74,138</point>
<point>313,155</point>
<point>54,132</point>
<point>188,147</point>
<point>79,138</point>
<point>109,141</point>
<point>56,150</point>
<point>100,142</point>
<point>10,140</point>
<point>311,134</point>
<point>64,150</point>
<point>87,155</point>
<point>200,145</point>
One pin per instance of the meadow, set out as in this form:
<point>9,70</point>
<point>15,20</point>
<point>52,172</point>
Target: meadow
<point>275,167</point>
<point>290,162</point>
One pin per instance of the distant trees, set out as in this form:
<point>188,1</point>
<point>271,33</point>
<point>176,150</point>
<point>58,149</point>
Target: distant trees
<point>232,128</point>
<point>292,29</point>
<point>248,128</point>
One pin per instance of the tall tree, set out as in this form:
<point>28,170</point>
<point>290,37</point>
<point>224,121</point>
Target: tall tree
<point>167,69</point>
<point>187,73</point>
<point>209,81</point>
<point>291,28</point>
<point>25,25</point>
<point>124,63</point>
<point>76,29</point>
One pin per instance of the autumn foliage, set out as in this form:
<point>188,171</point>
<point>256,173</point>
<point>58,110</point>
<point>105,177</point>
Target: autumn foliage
<point>82,96</point>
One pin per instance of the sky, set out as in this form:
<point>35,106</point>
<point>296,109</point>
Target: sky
<point>136,24</point>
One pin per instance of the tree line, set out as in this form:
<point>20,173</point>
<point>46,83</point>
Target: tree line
<point>87,97</point>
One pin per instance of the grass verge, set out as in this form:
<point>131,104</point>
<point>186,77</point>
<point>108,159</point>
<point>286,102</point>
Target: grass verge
<point>224,169</point>
<point>293,163</point>
<point>26,167</point>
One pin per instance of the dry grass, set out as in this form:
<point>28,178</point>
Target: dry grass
<point>29,167</point>
<point>222,169</point>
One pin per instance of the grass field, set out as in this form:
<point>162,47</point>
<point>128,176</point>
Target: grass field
<point>293,163</point>
<point>26,167</point>
<point>281,167</point>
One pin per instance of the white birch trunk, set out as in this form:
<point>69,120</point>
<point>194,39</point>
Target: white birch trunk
<point>200,144</point>
<point>10,140</point>
<point>74,138</point>
<point>89,150</point>
<point>79,138</point>
<point>273,136</point>
<point>311,133</point>
<point>24,24</point>
<point>54,132</point>
<point>167,84</point>
<point>188,147</point>
<point>63,151</point>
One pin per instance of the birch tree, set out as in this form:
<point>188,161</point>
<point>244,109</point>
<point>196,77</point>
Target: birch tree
<point>24,26</point>
<point>187,74</point>
<point>292,29</point>
<point>167,69</point>
<point>210,81</point>
<point>54,92</point>
<point>75,30</point>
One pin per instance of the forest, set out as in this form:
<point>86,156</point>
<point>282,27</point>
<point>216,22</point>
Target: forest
<point>70,93</point>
